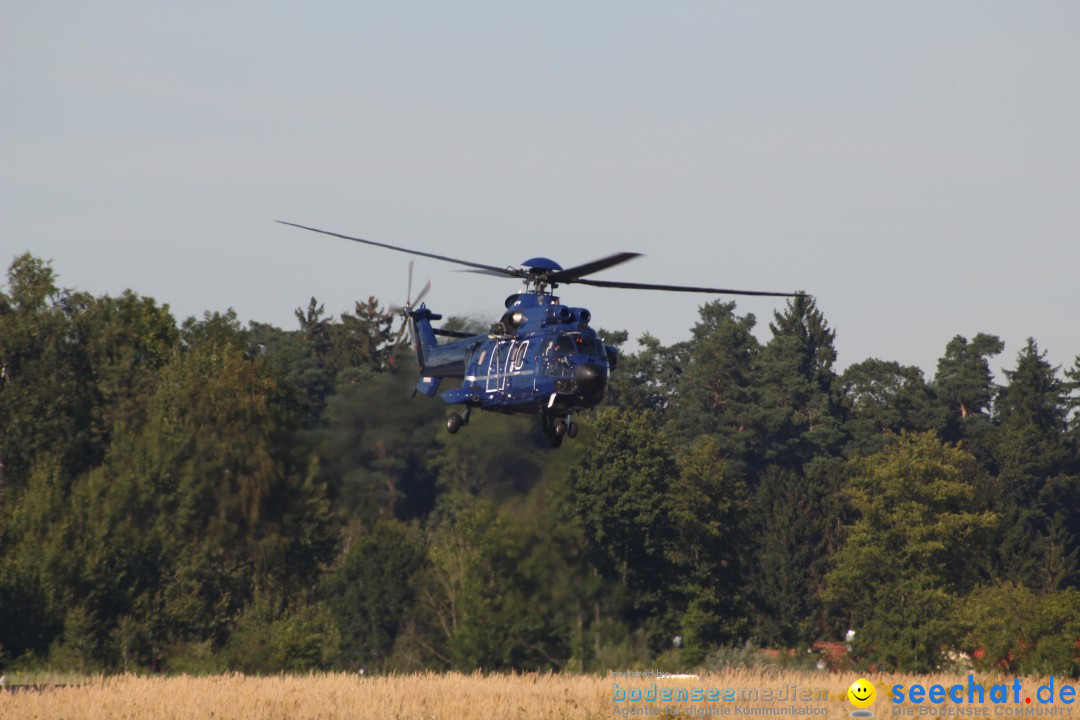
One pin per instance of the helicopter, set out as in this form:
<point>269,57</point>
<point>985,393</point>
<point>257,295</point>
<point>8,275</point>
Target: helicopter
<point>540,359</point>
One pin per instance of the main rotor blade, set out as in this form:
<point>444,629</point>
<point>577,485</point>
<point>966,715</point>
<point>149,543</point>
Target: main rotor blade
<point>492,268</point>
<point>504,272</point>
<point>684,288</point>
<point>571,274</point>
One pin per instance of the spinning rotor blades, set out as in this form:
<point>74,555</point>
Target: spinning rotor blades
<point>539,278</point>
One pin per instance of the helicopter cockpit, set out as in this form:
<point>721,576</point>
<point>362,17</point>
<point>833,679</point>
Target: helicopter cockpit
<point>575,360</point>
<point>570,349</point>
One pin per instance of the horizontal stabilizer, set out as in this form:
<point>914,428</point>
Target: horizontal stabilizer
<point>428,385</point>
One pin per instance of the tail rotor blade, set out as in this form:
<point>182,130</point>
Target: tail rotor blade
<point>396,343</point>
<point>408,292</point>
<point>403,311</point>
<point>422,294</point>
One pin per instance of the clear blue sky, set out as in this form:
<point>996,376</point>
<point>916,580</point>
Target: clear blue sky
<point>916,166</point>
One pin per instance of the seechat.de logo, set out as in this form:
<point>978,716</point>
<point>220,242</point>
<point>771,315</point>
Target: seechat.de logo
<point>862,695</point>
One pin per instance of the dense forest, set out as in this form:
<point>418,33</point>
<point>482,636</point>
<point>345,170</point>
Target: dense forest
<point>202,496</point>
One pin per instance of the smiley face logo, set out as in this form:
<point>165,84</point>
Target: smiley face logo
<point>862,693</point>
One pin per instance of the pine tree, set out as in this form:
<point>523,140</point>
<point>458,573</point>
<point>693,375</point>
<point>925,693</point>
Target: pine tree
<point>964,385</point>
<point>801,426</point>
<point>648,379</point>
<point>801,418</point>
<point>1038,496</point>
<point>716,394</point>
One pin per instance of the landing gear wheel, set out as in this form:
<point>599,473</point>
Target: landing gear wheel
<point>571,430</point>
<point>558,429</point>
<point>554,430</point>
<point>454,423</point>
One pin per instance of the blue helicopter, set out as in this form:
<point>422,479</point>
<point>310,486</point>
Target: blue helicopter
<point>540,359</point>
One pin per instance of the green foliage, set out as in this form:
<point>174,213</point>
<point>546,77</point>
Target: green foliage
<point>374,447</point>
<point>715,392</point>
<point>203,497</point>
<point>1011,629</point>
<point>884,399</point>
<point>964,385</point>
<point>622,499</point>
<point>645,380</point>
<point>796,516</point>
<point>800,426</point>
<point>271,636</point>
<point>909,553</point>
<point>1037,495</point>
<point>47,393</point>
<point>478,596</point>
<point>800,416</point>
<point>498,458</point>
<point>709,510</point>
<point>371,591</point>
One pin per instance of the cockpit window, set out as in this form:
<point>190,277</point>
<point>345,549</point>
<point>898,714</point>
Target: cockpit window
<point>578,345</point>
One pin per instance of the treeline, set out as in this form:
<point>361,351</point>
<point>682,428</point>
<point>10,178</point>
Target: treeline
<point>202,496</point>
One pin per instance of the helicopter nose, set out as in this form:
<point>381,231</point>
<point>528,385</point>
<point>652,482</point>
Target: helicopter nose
<point>591,381</point>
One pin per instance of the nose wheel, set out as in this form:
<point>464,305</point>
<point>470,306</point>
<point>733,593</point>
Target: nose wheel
<point>557,428</point>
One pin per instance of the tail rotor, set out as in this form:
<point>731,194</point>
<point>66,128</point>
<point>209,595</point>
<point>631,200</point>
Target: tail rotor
<point>404,310</point>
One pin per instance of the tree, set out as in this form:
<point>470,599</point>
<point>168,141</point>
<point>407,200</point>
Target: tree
<point>884,399</point>
<point>361,339</point>
<point>794,517</point>
<point>709,508</point>
<point>499,457</point>
<point>274,636</point>
<point>965,387</point>
<point>208,496</point>
<point>372,591</point>
<point>801,418</point>
<point>800,422</point>
<point>1037,496</point>
<point>716,394</point>
<point>622,500</point>
<point>1072,388</point>
<point>646,380</point>
<point>484,610</point>
<point>374,447</point>
<point>32,600</point>
<point>1012,629</point>
<point>911,550</point>
<point>47,392</point>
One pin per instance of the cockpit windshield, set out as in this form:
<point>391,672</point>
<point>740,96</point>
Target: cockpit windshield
<point>588,345</point>
<point>564,344</point>
<point>575,345</point>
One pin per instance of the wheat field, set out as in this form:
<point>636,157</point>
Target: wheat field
<point>449,696</point>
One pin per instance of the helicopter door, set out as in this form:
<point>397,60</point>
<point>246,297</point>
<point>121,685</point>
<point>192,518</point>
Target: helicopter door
<point>497,366</point>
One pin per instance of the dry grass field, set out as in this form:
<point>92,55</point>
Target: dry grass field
<point>451,696</point>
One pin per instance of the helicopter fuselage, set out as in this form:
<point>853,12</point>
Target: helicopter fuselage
<point>541,358</point>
